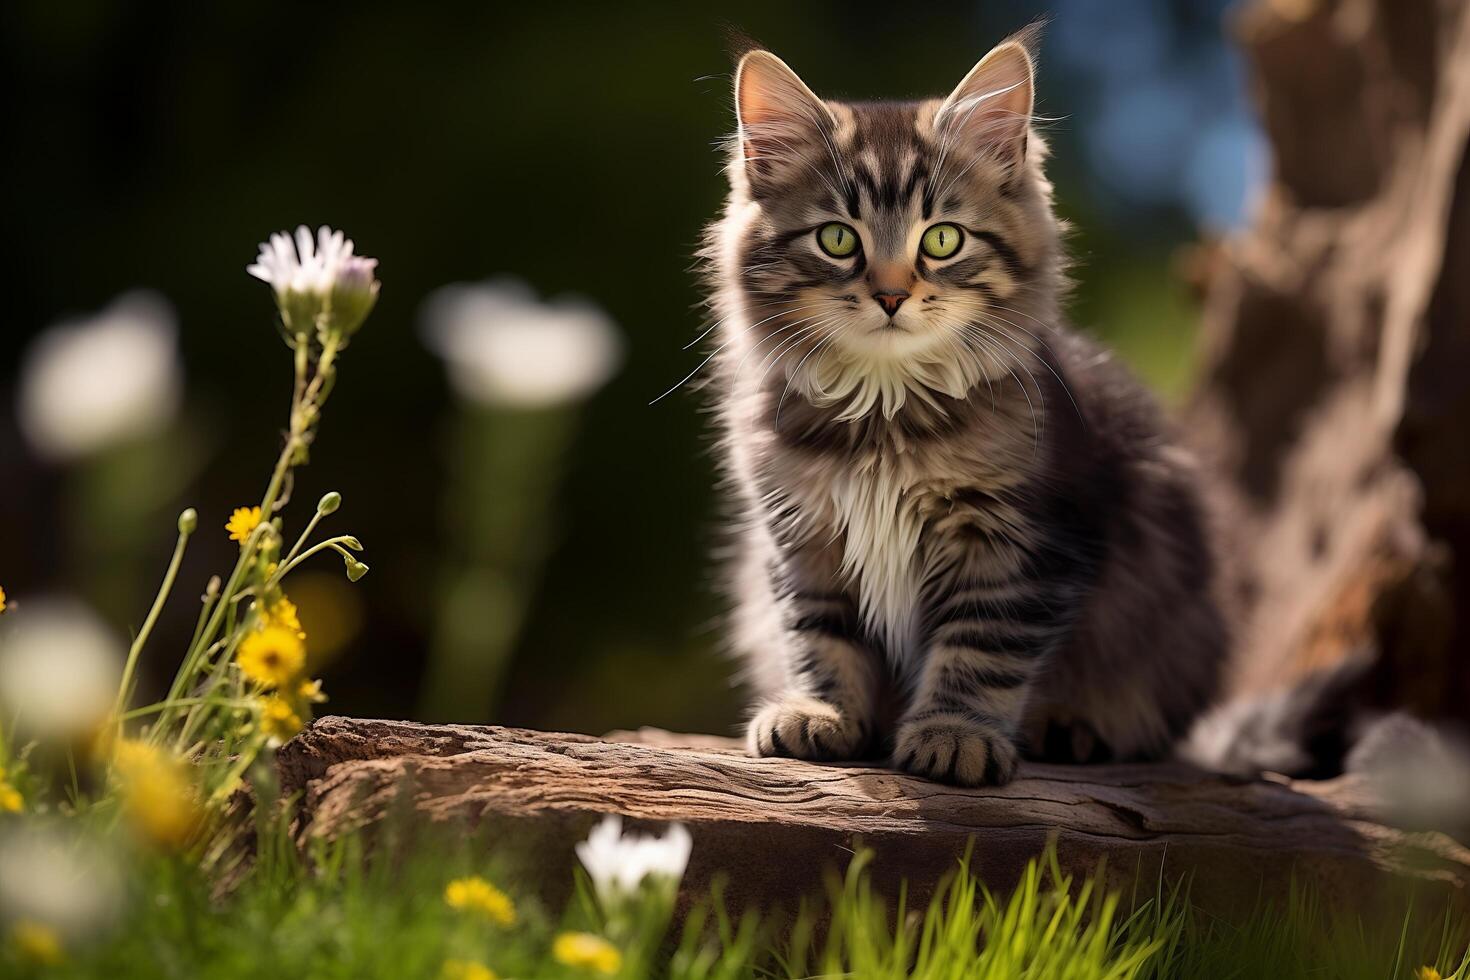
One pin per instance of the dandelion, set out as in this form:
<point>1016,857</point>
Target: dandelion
<point>584,951</point>
<point>503,346</point>
<point>318,283</point>
<point>283,613</point>
<point>1427,973</point>
<point>619,864</point>
<point>272,656</point>
<point>92,383</point>
<point>157,793</point>
<point>466,970</point>
<point>37,943</point>
<point>60,666</point>
<point>243,521</point>
<point>278,719</point>
<point>475,894</point>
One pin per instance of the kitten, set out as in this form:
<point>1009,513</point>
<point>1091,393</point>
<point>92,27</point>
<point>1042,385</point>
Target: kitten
<point>962,530</point>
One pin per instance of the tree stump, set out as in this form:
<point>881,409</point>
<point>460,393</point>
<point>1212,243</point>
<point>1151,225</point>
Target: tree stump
<point>775,825</point>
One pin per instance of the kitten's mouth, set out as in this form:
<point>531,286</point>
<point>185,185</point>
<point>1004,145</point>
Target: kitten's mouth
<point>890,327</point>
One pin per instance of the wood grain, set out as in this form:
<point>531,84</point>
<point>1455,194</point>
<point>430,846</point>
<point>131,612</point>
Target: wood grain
<point>775,825</point>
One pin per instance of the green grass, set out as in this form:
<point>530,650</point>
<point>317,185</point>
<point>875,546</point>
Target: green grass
<point>351,913</point>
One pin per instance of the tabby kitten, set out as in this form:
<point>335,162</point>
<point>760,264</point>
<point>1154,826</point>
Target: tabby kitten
<point>963,531</point>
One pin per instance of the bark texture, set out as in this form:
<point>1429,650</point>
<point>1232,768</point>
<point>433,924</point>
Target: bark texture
<point>775,825</point>
<point>1337,352</point>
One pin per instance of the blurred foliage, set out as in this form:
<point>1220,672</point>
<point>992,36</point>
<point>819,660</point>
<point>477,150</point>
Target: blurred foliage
<point>573,146</point>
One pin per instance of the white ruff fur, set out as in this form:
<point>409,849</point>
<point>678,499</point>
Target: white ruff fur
<point>877,502</point>
<point>866,380</point>
<point>881,518</point>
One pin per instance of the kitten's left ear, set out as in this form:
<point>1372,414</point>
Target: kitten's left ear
<point>991,108</point>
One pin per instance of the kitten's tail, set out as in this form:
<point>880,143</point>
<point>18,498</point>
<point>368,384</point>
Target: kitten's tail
<point>1419,774</point>
<point>1305,729</point>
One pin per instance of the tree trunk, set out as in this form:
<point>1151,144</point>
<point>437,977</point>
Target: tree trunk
<point>774,825</point>
<point>1337,351</point>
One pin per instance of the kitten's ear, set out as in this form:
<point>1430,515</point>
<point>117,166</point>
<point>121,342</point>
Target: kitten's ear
<point>778,115</point>
<point>991,109</point>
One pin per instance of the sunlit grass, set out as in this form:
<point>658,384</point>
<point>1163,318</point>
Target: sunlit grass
<point>350,911</point>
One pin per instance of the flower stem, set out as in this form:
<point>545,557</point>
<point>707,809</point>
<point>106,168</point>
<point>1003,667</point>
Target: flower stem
<point>334,543</point>
<point>124,689</point>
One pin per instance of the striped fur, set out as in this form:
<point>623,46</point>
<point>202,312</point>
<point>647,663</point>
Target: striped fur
<point>962,531</point>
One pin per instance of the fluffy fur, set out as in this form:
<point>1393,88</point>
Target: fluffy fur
<point>962,531</point>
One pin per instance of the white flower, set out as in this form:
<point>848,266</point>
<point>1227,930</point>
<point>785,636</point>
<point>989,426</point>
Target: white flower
<point>91,383</point>
<point>66,883</point>
<point>619,864</point>
<point>318,282</point>
<point>59,669</point>
<point>503,346</point>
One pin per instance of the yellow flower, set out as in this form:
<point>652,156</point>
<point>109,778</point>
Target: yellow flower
<point>37,943</point>
<point>272,655</point>
<point>278,719</point>
<point>585,951</point>
<point>10,799</point>
<point>282,613</point>
<point>477,895</point>
<point>157,793</point>
<point>242,522</point>
<point>466,970</point>
<point>310,691</point>
<point>2,601</point>
<point>1427,973</point>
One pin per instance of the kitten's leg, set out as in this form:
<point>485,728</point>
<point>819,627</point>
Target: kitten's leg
<point>826,710</point>
<point>987,644</point>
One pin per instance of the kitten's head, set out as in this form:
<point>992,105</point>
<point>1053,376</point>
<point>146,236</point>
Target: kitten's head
<point>882,248</point>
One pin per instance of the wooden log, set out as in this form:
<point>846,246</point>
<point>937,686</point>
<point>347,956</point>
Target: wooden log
<point>775,825</point>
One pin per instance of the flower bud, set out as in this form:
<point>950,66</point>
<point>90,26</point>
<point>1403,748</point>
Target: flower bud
<point>188,521</point>
<point>329,503</point>
<point>352,542</point>
<point>353,295</point>
<point>355,569</point>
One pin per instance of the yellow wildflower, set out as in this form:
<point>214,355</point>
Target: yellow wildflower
<point>37,943</point>
<point>278,719</point>
<point>272,655</point>
<point>242,522</point>
<point>10,799</point>
<point>585,951</point>
<point>466,970</point>
<point>477,895</point>
<point>282,613</point>
<point>2,601</point>
<point>157,793</point>
<point>1427,973</point>
<point>310,691</point>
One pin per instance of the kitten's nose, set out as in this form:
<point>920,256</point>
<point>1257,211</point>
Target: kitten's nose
<point>891,300</point>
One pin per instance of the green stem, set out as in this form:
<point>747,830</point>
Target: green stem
<point>310,526</point>
<point>153,709</point>
<point>124,689</point>
<point>235,772</point>
<point>334,543</point>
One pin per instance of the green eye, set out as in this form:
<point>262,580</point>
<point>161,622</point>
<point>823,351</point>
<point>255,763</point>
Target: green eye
<point>942,241</point>
<point>837,240</point>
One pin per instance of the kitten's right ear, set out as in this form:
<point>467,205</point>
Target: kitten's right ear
<point>779,117</point>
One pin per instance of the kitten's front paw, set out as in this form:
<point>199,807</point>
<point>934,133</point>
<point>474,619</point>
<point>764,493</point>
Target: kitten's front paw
<point>802,727</point>
<point>955,750</point>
